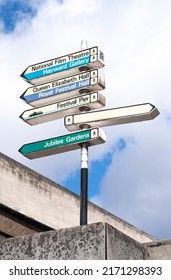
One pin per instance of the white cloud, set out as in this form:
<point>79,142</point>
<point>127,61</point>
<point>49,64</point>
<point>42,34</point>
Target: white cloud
<point>135,37</point>
<point>136,186</point>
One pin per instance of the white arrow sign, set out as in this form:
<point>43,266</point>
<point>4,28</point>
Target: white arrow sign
<point>84,102</point>
<point>114,116</point>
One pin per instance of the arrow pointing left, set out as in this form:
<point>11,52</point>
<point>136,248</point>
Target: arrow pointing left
<point>54,111</point>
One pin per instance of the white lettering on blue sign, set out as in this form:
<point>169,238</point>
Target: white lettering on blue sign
<point>55,69</point>
<point>57,90</point>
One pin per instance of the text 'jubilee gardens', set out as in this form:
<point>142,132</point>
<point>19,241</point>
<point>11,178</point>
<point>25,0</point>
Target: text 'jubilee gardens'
<point>68,139</point>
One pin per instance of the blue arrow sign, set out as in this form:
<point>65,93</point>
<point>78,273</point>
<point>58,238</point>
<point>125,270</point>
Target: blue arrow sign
<point>64,88</point>
<point>55,69</point>
<point>58,67</point>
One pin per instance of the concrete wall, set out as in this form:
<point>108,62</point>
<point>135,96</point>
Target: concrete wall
<point>120,247</point>
<point>97,241</point>
<point>41,199</point>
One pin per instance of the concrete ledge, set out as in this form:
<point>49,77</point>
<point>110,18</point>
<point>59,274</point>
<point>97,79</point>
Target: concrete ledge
<point>97,241</point>
<point>86,242</point>
<point>159,250</point>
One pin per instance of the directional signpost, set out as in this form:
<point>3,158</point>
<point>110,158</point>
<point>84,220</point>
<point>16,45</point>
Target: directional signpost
<point>64,87</point>
<point>84,102</point>
<point>58,67</point>
<point>64,143</point>
<point>113,116</point>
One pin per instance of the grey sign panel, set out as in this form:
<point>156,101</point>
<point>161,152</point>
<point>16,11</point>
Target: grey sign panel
<point>67,87</point>
<point>63,66</point>
<point>86,102</point>
<point>63,143</point>
<point>113,116</point>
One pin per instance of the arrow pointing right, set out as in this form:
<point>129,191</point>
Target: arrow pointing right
<point>113,116</point>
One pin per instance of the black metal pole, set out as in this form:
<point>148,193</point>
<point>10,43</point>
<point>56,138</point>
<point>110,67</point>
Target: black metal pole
<point>84,169</point>
<point>84,184</point>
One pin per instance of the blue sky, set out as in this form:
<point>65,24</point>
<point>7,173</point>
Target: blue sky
<point>97,169</point>
<point>12,12</point>
<point>130,174</point>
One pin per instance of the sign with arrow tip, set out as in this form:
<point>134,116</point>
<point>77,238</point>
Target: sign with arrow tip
<point>86,102</point>
<point>62,66</point>
<point>64,143</point>
<point>113,116</point>
<point>67,87</point>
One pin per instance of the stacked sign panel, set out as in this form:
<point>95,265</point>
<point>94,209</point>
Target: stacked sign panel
<point>68,87</point>
<point>65,85</point>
